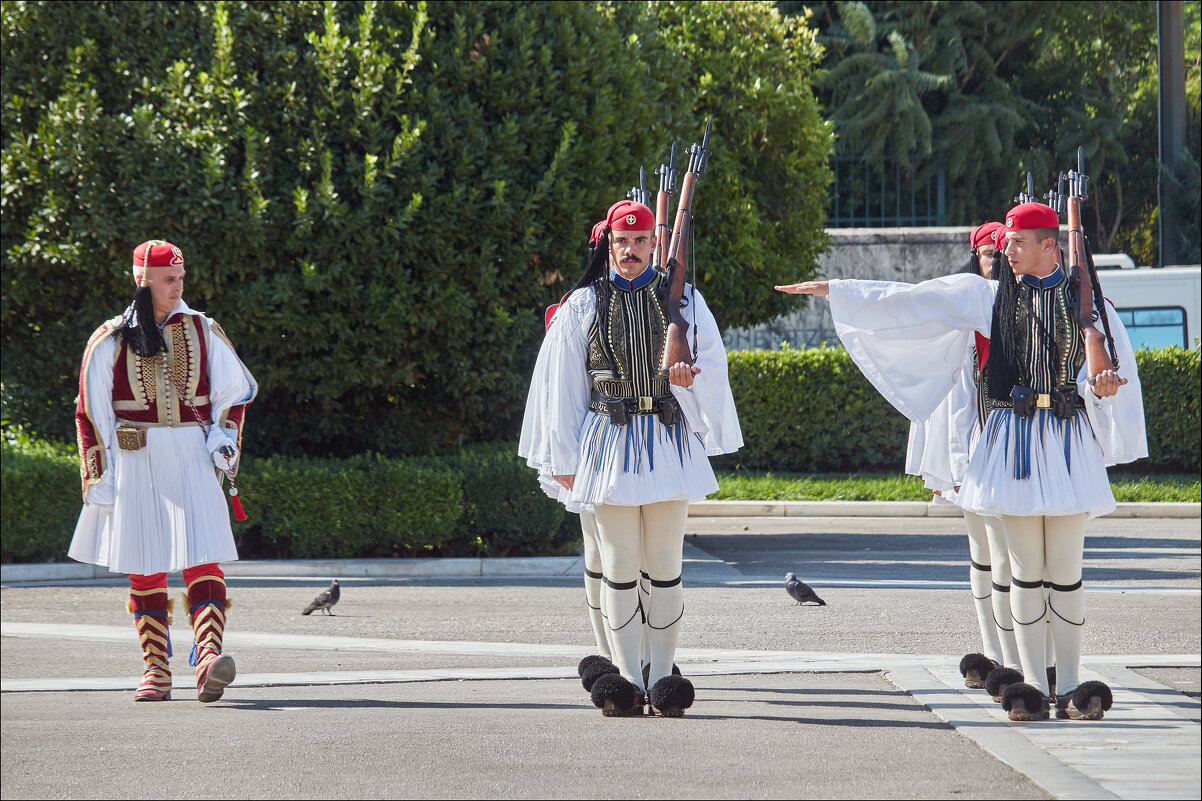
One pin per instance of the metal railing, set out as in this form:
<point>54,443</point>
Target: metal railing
<point>866,195</point>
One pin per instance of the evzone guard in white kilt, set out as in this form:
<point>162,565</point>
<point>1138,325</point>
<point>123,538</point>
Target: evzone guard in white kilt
<point>938,450</point>
<point>159,421</point>
<point>1053,425</point>
<point>593,571</point>
<point>614,432</point>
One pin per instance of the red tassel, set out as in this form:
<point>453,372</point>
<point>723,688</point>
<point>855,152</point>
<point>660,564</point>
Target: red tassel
<point>239,515</point>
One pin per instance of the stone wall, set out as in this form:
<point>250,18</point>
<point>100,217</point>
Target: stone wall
<point>885,254</point>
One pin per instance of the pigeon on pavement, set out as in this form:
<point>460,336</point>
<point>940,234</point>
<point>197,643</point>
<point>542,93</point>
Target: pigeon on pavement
<point>324,601</point>
<point>800,591</point>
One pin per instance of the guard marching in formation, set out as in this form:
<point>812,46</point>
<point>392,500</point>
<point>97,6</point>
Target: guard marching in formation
<point>623,412</point>
<point>1062,401</point>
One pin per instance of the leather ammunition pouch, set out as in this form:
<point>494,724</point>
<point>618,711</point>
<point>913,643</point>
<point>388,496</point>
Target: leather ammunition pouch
<point>1066,401</point>
<point>131,437</point>
<point>1023,400</point>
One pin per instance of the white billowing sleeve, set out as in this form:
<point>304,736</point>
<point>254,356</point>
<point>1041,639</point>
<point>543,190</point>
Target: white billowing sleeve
<point>962,422</point>
<point>708,404</point>
<point>1118,421</point>
<point>927,450</point>
<point>99,382</point>
<point>559,390</point>
<point>910,340</point>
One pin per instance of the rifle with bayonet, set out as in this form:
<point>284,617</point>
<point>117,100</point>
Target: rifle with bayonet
<point>678,254</point>
<point>1029,195</point>
<point>639,194</point>
<point>667,188</point>
<point>1083,274</point>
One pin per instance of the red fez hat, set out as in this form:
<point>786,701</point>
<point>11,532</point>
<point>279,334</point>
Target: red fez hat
<point>1026,216</point>
<point>595,236</point>
<point>984,234</point>
<point>158,253</point>
<point>626,215</point>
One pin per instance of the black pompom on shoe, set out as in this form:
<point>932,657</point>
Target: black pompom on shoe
<point>594,671</point>
<point>616,697</point>
<point>647,673</point>
<point>1025,702</point>
<point>1090,701</point>
<point>999,679</point>
<point>594,659</point>
<point>671,696</point>
<point>974,668</point>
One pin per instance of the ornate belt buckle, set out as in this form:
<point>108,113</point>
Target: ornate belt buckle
<point>1043,401</point>
<point>646,403</point>
<point>131,438</point>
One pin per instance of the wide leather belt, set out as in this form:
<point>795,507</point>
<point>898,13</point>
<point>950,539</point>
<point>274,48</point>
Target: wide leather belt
<point>1025,401</point>
<point>619,409</point>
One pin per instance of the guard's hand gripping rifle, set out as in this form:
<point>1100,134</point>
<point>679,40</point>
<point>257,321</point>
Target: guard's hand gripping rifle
<point>677,349</point>
<point>1081,271</point>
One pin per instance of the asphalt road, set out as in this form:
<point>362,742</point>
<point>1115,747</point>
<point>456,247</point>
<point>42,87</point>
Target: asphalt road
<point>837,714</point>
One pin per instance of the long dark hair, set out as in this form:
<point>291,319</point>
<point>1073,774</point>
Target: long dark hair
<point>138,329</point>
<point>1004,343</point>
<point>597,261</point>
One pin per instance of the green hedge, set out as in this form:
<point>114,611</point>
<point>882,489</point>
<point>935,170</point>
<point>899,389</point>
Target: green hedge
<point>812,411</point>
<point>1171,383</point>
<point>480,501</point>
<point>39,500</point>
<point>802,411</point>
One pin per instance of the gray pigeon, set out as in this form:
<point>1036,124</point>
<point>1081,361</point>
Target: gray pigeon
<point>800,591</point>
<point>325,600</point>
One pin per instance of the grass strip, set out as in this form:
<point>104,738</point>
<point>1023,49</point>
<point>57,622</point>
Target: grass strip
<point>746,485</point>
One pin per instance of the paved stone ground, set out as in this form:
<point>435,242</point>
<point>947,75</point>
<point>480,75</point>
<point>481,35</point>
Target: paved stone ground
<point>779,711</point>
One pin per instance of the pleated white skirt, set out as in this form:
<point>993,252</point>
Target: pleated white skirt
<point>635,464</point>
<point>1036,466</point>
<point>170,511</point>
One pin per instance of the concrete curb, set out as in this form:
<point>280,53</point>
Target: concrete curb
<point>554,566</point>
<point>901,509</point>
<point>512,567</point>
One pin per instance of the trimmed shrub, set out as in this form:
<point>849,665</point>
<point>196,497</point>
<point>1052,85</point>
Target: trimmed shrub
<point>1172,383</point>
<point>39,500</point>
<point>476,501</point>
<point>505,512</point>
<point>366,506</point>
<point>812,411</point>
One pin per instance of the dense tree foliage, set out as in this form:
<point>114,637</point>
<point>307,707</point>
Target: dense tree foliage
<point>378,199</point>
<point>990,90</point>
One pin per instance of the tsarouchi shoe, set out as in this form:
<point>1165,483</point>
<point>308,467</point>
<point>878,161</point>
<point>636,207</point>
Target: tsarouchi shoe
<point>671,696</point>
<point>1025,703</point>
<point>974,668</point>
<point>1090,701</point>
<point>617,697</point>
<point>999,679</point>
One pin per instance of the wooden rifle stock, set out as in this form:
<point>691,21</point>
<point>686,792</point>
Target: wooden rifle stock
<point>677,350</point>
<point>1096,357</point>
